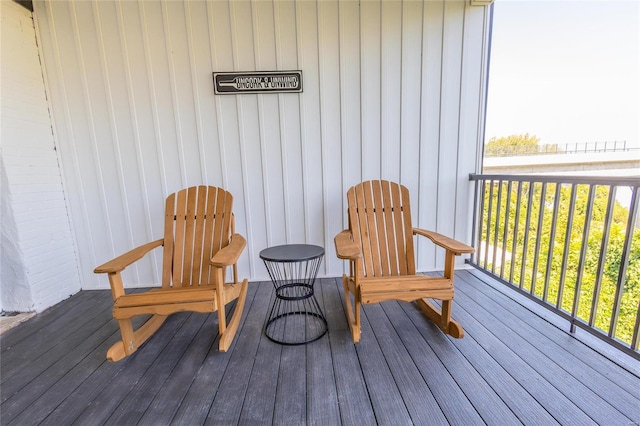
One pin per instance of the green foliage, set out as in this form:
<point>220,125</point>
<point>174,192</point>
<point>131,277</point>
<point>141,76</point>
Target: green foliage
<point>514,140</point>
<point>557,272</point>
<point>512,143</point>
<point>517,145</point>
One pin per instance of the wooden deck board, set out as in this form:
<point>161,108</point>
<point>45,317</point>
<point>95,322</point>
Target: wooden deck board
<point>171,393</point>
<point>559,361</point>
<point>291,396</point>
<point>57,361</point>
<point>524,405</point>
<point>322,403</point>
<point>512,366</point>
<point>491,408</point>
<point>453,401</point>
<point>259,402</point>
<point>66,330</point>
<point>387,402</point>
<point>576,351</point>
<point>140,397</point>
<point>49,319</point>
<point>125,384</point>
<point>588,401</point>
<point>552,399</point>
<point>351,390</point>
<point>56,376</point>
<point>414,390</point>
<point>227,406</point>
<point>197,401</point>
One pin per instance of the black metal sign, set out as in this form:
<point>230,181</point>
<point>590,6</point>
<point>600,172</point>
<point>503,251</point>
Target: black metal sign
<point>233,83</point>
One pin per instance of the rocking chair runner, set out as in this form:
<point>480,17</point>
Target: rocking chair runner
<point>379,248</point>
<point>199,243</point>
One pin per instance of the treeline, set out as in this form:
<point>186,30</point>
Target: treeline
<point>518,144</point>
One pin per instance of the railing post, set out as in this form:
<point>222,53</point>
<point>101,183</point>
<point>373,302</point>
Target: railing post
<point>567,240</point>
<point>489,211</point>
<point>603,254</point>
<point>475,214</point>
<point>527,226</point>
<point>536,250</point>
<point>583,252</point>
<point>505,235</point>
<point>636,328</point>
<point>552,238</point>
<point>515,232</point>
<point>624,262</point>
<point>497,228</point>
<point>481,191</point>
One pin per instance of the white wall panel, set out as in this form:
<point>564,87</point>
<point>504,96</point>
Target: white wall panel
<point>269,122</point>
<point>290,126</point>
<point>392,89</point>
<point>370,81</point>
<point>430,90</point>
<point>223,58</point>
<point>311,137</point>
<point>71,129</point>
<point>132,45</point>
<point>448,145</point>
<point>350,98</point>
<point>472,112</point>
<point>410,96</point>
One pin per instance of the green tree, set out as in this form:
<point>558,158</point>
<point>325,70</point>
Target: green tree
<point>525,144</point>
<point>512,144</point>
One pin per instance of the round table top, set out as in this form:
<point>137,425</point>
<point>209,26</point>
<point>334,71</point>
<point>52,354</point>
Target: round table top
<point>291,253</point>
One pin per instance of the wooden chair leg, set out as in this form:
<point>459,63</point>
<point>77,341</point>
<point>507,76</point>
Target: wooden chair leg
<point>120,349</point>
<point>227,335</point>
<point>441,318</point>
<point>353,310</point>
<point>220,300</point>
<point>132,340</point>
<point>357,309</point>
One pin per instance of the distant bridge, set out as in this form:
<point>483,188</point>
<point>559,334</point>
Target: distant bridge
<point>607,158</point>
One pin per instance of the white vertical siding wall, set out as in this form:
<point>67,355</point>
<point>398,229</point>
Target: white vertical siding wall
<point>392,90</point>
<point>38,262</point>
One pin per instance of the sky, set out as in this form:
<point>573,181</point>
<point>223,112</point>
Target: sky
<point>565,71</point>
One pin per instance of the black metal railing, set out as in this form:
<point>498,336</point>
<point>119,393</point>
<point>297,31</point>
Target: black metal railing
<point>570,243</point>
<point>566,148</point>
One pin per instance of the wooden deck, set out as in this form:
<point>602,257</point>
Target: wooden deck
<point>513,366</point>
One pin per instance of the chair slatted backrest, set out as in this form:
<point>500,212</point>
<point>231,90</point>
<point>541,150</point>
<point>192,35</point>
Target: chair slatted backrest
<point>380,221</point>
<point>198,223</point>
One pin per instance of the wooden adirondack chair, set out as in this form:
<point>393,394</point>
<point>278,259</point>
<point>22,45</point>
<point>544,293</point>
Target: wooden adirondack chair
<point>199,243</point>
<point>379,248</point>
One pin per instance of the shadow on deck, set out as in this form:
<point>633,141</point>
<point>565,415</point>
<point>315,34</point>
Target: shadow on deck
<point>513,366</point>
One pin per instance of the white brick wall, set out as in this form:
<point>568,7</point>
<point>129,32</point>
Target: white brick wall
<point>39,264</point>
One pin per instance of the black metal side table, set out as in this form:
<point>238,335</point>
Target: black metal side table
<point>295,317</point>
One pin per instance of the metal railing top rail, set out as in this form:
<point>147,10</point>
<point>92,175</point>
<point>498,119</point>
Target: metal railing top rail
<point>588,180</point>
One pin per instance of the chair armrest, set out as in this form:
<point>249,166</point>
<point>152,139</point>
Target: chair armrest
<point>346,248</point>
<point>229,255</point>
<point>119,263</point>
<point>445,242</point>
